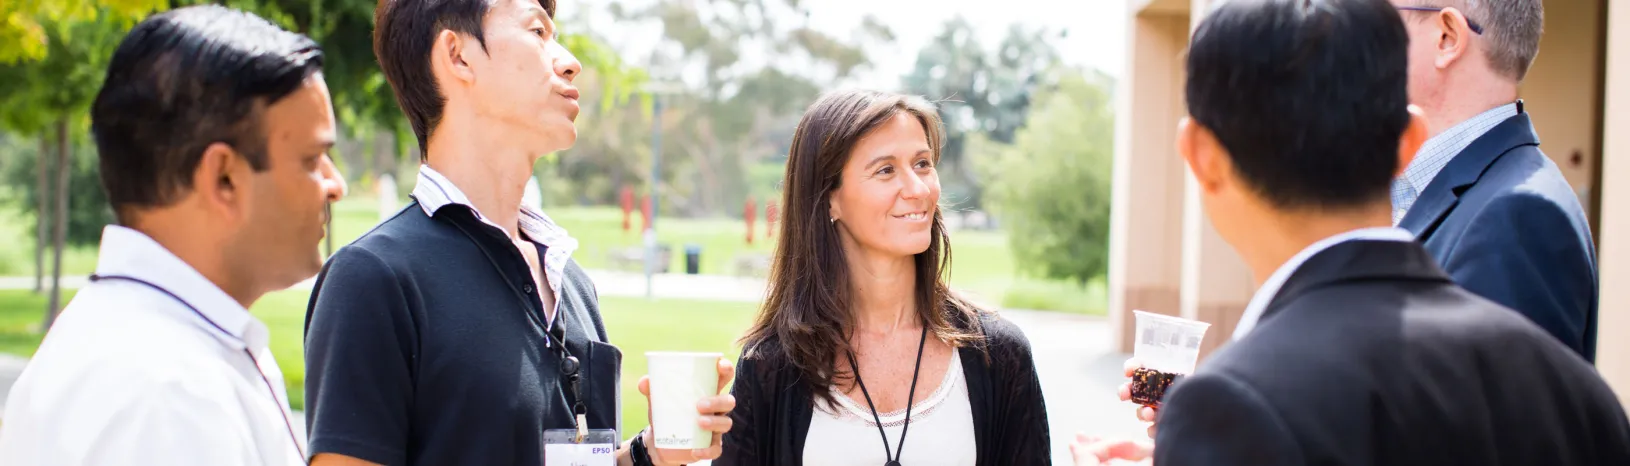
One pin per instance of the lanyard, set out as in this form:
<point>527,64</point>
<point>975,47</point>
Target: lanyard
<point>893,455</point>
<point>555,335</point>
<point>570,368</point>
<point>286,422</point>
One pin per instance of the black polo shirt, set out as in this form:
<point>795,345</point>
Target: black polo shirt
<point>426,344</point>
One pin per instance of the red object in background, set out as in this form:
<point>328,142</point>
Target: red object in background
<point>628,206</point>
<point>645,213</point>
<point>772,212</point>
<point>747,213</point>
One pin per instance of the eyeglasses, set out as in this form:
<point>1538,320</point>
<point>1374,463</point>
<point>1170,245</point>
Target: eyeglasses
<point>1476,28</point>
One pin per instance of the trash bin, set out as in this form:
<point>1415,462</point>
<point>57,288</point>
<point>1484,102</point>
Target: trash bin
<point>693,259</point>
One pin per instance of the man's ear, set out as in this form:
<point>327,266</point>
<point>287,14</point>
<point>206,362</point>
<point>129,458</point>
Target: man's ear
<point>1454,37</point>
<point>221,180</point>
<point>1414,136</point>
<point>448,57</point>
<point>1205,156</point>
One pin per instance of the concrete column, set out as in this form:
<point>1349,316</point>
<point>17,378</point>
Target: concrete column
<point>1216,285</point>
<point>1147,202</point>
<point>1612,347</point>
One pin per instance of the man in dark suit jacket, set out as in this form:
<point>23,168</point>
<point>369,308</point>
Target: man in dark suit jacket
<point>1357,349</point>
<point>1494,211</point>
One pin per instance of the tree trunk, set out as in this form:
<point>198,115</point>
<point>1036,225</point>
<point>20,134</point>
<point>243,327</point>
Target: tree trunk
<point>64,161</point>
<point>42,213</point>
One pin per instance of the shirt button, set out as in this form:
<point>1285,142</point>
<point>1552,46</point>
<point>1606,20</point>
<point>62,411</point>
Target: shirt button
<point>526,288</point>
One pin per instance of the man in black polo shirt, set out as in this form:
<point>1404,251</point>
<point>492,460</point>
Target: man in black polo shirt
<point>453,332</point>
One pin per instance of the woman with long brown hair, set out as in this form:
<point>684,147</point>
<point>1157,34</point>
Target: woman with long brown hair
<point>861,355</point>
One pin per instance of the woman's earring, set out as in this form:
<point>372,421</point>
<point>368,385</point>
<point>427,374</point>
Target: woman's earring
<point>834,220</point>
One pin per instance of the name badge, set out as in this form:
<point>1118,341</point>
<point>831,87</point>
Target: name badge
<point>598,447</point>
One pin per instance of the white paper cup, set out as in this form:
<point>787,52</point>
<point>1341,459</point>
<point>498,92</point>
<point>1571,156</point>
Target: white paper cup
<point>1168,344</point>
<point>678,382</point>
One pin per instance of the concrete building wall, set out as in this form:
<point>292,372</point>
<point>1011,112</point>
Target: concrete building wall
<point>1563,91</point>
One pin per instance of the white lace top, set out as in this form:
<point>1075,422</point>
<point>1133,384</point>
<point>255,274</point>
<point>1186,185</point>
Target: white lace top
<point>941,431</point>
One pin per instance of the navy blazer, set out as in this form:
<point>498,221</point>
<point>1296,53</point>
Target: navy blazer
<point>1504,223</point>
<point>1369,356</point>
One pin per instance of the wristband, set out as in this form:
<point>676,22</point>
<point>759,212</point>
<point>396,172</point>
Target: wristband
<point>637,451</point>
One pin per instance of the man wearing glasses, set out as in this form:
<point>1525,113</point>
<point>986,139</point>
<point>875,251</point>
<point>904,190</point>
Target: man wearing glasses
<point>1493,210</point>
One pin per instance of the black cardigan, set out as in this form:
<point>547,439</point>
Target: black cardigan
<point>774,405</point>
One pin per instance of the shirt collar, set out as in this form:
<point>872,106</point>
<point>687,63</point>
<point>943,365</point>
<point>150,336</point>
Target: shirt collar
<point>434,191</point>
<point>131,253</point>
<point>1436,152</point>
<point>1265,294</point>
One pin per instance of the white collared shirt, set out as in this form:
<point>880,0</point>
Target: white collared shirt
<point>434,191</point>
<point>1436,154</point>
<point>1270,287</point>
<point>128,375</point>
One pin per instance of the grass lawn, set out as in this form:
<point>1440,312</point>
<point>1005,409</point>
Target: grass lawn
<point>21,313</point>
<point>635,324</point>
<point>17,249</point>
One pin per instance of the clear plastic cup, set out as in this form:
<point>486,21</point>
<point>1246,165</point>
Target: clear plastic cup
<point>679,381</point>
<point>1166,343</point>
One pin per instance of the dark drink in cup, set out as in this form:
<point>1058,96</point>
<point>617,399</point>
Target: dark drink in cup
<point>1167,348</point>
<point>1149,386</point>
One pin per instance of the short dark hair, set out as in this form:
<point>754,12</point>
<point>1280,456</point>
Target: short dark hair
<point>404,33</point>
<point>1309,97</point>
<point>182,80</point>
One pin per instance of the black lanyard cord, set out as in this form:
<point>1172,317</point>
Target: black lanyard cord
<point>286,422</point>
<point>893,455</point>
<point>570,367</point>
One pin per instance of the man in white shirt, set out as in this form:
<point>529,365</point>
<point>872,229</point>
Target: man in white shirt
<point>213,128</point>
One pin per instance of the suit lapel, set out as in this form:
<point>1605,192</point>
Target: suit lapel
<point>1444,191</point>
<point>1358,260</point>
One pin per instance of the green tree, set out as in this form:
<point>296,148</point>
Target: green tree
<point>56,88</point>
<point>26,116</point>
<point>88,209</point>
<point>25,25</point>
<point>1051,187</point>
<point>747,69</point>
<point>980,91</point>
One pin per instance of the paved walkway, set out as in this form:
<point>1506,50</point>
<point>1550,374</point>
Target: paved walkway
<point>1079,370</point>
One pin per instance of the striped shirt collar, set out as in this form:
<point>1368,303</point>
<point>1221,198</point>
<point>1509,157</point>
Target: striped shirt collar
<point>435,192</point>
<point>1436,154</point>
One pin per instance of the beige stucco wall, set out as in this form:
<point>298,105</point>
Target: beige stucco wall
<point>1562,91</point>
<point>1613,332</point>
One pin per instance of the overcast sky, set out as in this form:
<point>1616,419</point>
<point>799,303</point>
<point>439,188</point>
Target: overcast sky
<point>1096,28</point>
